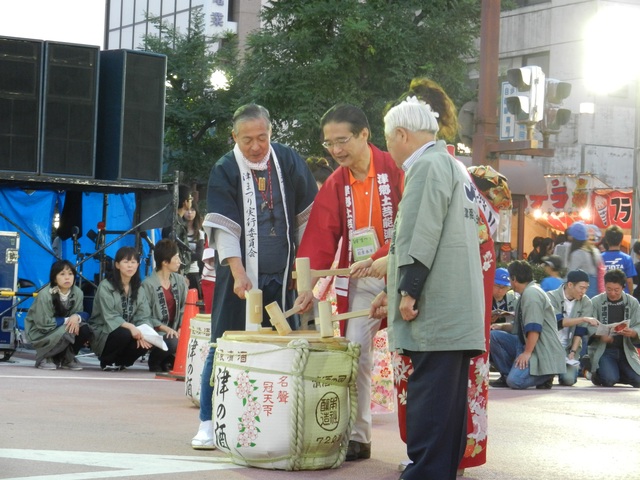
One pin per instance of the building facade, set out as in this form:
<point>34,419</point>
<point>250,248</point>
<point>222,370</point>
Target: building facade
<point>554,36</point>
<point>547,33</point>
<point>598,146</point>
<point>127,19</point>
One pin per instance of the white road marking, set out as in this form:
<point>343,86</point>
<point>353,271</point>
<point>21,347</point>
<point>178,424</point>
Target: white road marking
<point>74,377</point>
<point>122,464</point>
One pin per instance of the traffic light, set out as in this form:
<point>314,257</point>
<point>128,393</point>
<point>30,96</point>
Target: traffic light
<point>527,104</point>
<point>554,115</point>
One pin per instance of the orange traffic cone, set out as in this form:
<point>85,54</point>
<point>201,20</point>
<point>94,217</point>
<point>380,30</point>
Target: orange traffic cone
<point>179,365</point>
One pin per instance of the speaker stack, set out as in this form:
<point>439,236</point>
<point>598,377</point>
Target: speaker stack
<point>69,113</point>
<point>131,121</point>
<point>72,110</point>
<point>20,105</point>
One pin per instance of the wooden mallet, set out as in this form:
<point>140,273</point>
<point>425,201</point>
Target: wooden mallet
<point>254,305</point>
<point>327,319</point>
<point>304,273</point>
<point>278,318</point>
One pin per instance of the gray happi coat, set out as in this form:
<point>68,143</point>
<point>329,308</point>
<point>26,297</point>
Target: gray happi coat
<point>437,224</point>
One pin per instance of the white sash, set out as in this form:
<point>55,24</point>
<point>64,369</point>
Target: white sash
<point>251,223</point>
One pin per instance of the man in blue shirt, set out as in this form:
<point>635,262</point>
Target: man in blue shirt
<point>613,258</point>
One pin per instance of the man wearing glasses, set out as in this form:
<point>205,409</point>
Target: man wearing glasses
<point>356,206</point>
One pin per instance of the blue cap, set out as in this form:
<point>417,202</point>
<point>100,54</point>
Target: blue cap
<point>578,230</point>
<point>502,277</point>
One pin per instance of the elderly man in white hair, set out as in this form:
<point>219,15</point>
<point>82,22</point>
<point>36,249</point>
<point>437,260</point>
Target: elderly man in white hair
<point>438,326</point>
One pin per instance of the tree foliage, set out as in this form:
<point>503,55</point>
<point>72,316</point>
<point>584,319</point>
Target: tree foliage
<point>197,117</point>
<point>309,55</point>
<point>312,54</point>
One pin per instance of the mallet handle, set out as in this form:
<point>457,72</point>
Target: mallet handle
<point>346,316</point>
<point>327,273</point>
<point>291,311</point>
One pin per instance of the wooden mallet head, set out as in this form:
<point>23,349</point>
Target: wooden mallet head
<point>254,305</point>
<point>278,319</point>
<point>303,274</point>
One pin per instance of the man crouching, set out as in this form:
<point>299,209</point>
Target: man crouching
<point>531,354</point>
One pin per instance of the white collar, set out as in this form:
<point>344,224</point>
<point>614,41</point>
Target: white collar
<point>261,165</point>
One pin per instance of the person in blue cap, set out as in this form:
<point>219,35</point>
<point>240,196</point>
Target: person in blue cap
<point>504,300</point>
<point>552,265</point>
<point>584,256</point>
<point>531,355</point>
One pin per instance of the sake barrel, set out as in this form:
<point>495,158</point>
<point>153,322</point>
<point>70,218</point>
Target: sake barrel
<point>197,351</point>
<point>284,402</point>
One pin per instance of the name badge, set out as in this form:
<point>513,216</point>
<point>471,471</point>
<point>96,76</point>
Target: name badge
<point>364,243</point>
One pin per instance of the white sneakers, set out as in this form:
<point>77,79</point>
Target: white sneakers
<point>204,438</point>
<point>75,365</point>
<point>47,364</point>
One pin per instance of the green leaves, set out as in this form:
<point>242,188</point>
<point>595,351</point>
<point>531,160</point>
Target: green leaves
<point>197,116</point>
<point>311,55</point>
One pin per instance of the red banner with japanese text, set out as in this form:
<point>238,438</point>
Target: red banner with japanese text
<point>612,207</point>
<point>565,193</point>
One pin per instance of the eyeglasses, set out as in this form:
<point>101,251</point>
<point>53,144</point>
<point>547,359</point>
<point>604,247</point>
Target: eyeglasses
<point>338,142</point>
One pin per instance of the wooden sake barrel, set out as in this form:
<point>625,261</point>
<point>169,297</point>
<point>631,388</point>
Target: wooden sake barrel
<point>284,402</point>
<point>197,351</point>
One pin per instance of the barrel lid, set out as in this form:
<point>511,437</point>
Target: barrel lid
<point>272,337</point>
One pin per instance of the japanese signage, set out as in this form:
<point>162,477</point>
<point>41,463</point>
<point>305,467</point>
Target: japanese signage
<point>565,193</point>
<point>571,194</point>
<point>611,207</point>
<point>509,129</point>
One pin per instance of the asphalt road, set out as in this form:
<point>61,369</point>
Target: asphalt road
<point>64,425</point>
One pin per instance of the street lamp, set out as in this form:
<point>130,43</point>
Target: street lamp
<point>609,67</point>
<point>219,80</point>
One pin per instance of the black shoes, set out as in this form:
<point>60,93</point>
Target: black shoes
<point>165,367</point>
<point>585,365</point>
<point>358,451</point>
<point>499,383</point>
<point>111,367</point>
<point>546,385</point>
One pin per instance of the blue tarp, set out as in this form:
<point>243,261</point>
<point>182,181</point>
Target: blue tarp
<point>31,214</point>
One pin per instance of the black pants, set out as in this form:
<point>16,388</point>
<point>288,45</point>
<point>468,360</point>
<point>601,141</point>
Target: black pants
<point>194,282</point>
<point>161,359</point>
<point>436,414</point>
<point>83,337</point>
<point>121,348</point>
<point>65,351</point>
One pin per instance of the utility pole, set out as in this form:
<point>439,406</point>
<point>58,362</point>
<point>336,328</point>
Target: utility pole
<point>486,147</point>
<point>486,114</point>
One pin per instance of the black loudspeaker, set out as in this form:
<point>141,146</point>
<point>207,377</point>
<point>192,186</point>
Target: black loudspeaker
<point>20,95</point>
<point>131,115</point>
<point>69,109</point>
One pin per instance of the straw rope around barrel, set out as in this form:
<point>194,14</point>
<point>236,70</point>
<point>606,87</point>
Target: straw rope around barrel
<point>297,417</point>
<point>300,371</point>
